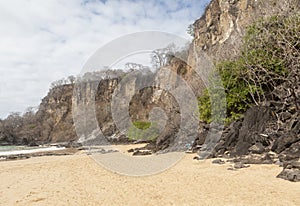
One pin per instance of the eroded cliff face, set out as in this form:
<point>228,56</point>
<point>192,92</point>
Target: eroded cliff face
<point>219,32</point>
<point>54,116</point>
<point>137,96</point>
<point>266,134</point>
<point>89,105</point>
<point>51,123</point>
<point>218,35</point>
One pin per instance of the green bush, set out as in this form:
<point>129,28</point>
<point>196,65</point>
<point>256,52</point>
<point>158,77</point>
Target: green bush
<point>269,57</point>
<point>143,131</point>
<point>142,125</point>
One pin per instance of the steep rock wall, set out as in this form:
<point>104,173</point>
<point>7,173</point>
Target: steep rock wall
<point>219,32</point>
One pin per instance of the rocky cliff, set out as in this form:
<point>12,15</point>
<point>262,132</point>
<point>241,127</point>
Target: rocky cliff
<point>219,35</point>
<point>54,120</point>
<point>268,133</point>
<point>219,32</point>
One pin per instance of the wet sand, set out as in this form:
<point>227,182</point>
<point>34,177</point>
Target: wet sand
<point>78,180</point>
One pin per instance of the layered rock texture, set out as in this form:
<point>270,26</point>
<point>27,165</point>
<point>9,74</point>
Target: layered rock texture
<point>219,32</point>
<point>266,134</point>
<point>73,112</point>
<point>52,122</point>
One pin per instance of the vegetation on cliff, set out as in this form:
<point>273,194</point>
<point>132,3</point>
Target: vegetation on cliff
<point>139,131</point>
<point>270,58</point>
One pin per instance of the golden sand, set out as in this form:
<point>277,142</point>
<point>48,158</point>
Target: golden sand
<point>79,180</point>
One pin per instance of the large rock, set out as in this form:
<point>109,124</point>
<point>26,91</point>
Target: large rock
<point>257,148</point>
<point>228,140</point>
<point>255,159</point>
<point>241,138</point>
<point>253,126</point>
<point>285,141</point>
<point>290,153</point>
<point>291,172</point>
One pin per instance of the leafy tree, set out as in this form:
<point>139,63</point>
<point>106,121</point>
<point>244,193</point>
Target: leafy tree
<point>191,30</point>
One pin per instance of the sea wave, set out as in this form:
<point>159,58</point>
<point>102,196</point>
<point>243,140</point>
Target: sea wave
<point>29,151</point>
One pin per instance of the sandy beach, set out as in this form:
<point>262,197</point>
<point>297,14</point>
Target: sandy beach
<point>79,180</point>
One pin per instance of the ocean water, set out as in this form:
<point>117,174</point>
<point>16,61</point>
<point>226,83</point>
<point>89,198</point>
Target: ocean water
<point>15,150</point>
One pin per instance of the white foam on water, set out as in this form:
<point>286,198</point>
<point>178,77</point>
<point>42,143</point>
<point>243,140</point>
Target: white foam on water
<point>30,151</point>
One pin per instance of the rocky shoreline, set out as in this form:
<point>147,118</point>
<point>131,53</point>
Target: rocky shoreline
<point>267,134</point>
<point>258,138</point>
<point>256,155</point>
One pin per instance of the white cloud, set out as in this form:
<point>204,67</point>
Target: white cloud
<point>42,41</point>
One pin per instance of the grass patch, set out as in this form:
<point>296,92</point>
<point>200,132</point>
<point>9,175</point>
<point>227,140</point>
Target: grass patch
<point>143,131</point>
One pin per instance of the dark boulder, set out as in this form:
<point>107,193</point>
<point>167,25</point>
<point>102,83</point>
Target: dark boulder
<point>291,153</point>
<point>291,172</point>
<point>257,148</point>
<point>218,161</point>
<point>74,144</point>
<point>255,159</point>
<point>130,150</point>
<point>201,136</point>
<point>229,138</point>
<point>255,121</point>
<point>248,136</point>
<point>166,138</point>
<point>142,152</point>
<point>284,142</point>
<point>240,165</point>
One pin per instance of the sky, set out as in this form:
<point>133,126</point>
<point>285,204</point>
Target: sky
<point>43,41</point>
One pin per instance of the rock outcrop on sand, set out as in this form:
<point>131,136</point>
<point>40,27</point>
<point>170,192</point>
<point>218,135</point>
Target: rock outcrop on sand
<point>291,172</point>
<point>261,138</point>
<point>269,133</point>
